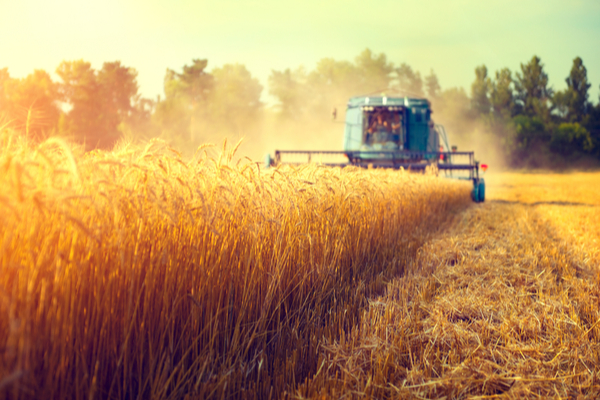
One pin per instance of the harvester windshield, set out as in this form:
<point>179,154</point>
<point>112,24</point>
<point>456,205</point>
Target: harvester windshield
<point>383,128</point>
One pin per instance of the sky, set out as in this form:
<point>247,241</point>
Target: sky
<point>451,37</point>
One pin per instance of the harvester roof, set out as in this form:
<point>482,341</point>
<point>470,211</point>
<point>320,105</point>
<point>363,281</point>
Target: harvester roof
<point>387,101</point>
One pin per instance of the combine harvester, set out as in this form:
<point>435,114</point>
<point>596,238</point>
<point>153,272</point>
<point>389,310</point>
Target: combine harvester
<point>392,132</point>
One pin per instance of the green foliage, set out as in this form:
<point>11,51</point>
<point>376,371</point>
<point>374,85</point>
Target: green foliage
<point>119,86</point>
<point>138,125</point>
<point>198,104</point>
<point>525,142</point>
<point>374,71</point>
<point>330,83</point>
<point>29,104</point>
<point>534,144</point>
<point>433,85</point>
<point>236,97</point>
<point>194,83</point>
<point>502,107</point>
<point>186,100</point>
<point>331,74</point>
<point>288,87</point>
<point>454,102</point>
<point>528,132</point>
<point>572,103</point>
<point>301,94</point>
<point>593,127</point>
<point>532,91</point>
<point>4,78</point>
<point>480,91</point>
<point>570,138</point>
<point>578,86</point>
<point>502,94</point>
<point>534,124</point>
<point>80,89</point>
<point>409,81</point>
<point>99,100</point>
<point>560,101</point>
<point>534,132</point>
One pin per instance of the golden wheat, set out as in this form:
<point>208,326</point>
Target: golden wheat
<point>137,274</point>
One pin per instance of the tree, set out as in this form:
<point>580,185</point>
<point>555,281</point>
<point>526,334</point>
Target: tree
<point>501,95</point>
<point>99,100</point>
<point>533,93</point>
<point>235,100</point>
<point>433,86</point>
<point>194,82</point>
<point>289,88</point>
<point>454,104</point>
<point>199,104</point>
<point>30,104</point>
<point>80,90</point>
<point>332,82</point>
<point>118,91</point>
<point>409,81</point>
<point>480,91</point>
<point>374,71</point>
<point>139,124</point>
<point>333,74</point>
<point>570,138</point>
<point>501,101</point>
<point>4,78</point>
<point>186,100</point>
<point>593,126</point>
<point>560,101</point>
<point>529,131</point>
<point>573,102</point>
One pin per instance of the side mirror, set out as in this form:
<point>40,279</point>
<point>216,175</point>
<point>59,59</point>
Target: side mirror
<point>334,113</point>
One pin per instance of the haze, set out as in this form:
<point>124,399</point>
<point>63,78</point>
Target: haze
<point>451,38</point>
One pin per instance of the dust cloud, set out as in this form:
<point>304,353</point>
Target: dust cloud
<point>472,135</point>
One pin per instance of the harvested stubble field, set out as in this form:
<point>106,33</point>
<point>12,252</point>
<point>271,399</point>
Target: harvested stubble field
<point>137,274</point>
<point>503,303</point>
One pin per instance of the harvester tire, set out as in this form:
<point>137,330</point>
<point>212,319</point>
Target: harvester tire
<point>475,192</point>
<point>481,191</point>
<point>268,161</point>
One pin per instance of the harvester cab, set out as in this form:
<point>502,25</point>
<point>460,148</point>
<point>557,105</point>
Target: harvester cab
<point>392,132</point>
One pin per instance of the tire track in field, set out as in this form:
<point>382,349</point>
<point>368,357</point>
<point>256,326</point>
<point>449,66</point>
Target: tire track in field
<point>498,305</point>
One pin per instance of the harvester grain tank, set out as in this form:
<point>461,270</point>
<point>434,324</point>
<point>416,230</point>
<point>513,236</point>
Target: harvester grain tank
<point>392,132</point>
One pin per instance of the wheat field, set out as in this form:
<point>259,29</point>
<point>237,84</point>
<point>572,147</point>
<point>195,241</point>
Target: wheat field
<point>502,303</point>
<point>138,274</point>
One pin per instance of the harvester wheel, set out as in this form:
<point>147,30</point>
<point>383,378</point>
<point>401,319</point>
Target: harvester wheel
<point>475,191</point>
<point>268,161</point>
<point>481,191</point>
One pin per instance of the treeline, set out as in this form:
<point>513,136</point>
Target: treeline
<point>88,105</point>
<point>537,126</point>
<point>531,123</point>
<point>99,107</point>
